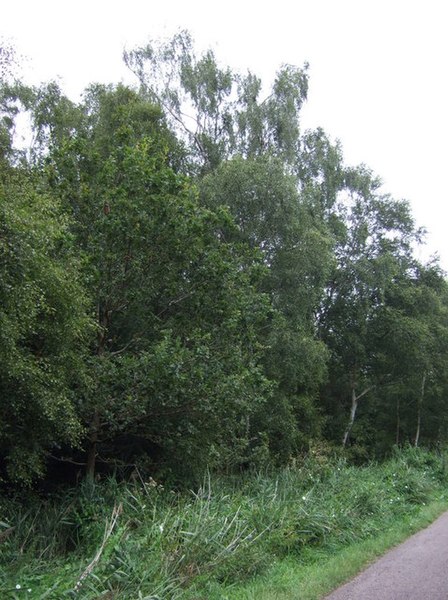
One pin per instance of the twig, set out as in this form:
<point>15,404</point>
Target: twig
<point>68,460</point>
<point>107,533</point>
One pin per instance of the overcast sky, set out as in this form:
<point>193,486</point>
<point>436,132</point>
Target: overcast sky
<point>378,72</point>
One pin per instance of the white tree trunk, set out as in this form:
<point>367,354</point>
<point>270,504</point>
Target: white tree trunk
<point>354,408</point>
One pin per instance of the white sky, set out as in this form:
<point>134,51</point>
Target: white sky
<point>378,70</point>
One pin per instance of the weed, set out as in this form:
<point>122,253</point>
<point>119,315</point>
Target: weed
<point>202,544</point>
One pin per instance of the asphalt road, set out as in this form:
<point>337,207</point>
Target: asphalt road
<point>415,570</point>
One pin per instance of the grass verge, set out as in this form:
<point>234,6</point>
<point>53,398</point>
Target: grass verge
<point>290,580</point>
<point>295,533</point>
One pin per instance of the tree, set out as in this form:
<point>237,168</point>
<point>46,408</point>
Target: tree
<point>247,290</point>
<point>412,345</point>
<point>44,329</point>
<point>8,61</point>
<point>219,113</point>
<point>270,218</point>
<point>244,153</point>
<point>373,246</point>
<point>175,367</point>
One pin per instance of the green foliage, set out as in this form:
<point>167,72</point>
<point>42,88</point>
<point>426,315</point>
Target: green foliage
<point>7,59</point>
<point>372,235</point>
<point>213,291</point>
<point>228,117</point>
<point>43,328</point>
<point>264,202</point>
<point>175,368</point>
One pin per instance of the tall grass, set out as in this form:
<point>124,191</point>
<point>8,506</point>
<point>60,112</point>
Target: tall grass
<point>167,545</point>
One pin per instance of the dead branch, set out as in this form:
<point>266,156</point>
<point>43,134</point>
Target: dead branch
<point>107,533</point>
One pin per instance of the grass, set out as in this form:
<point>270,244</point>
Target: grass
<point>297,533</point>
<point>290,580</point>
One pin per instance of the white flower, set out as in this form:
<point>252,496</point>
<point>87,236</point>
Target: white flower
<point>18,586</point>
<point>303,497</point>
<point>161,528</point>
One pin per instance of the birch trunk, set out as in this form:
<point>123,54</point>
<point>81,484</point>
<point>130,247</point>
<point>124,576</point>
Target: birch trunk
<point>354,408</point>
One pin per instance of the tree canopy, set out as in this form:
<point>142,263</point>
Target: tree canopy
<point>189,280</point>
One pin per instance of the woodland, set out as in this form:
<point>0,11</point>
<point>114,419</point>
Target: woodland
<point>189,281</point>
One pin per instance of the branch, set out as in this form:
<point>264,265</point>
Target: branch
<point>366,391</point>
<point>107,533</point>
<point>172,113</point>
<point>175,301</point>
<point>125,347</point>
<point>68,460</point>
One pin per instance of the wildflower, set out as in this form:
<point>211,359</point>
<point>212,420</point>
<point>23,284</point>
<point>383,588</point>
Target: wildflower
<point>18,586</point>
<point>161,528</point>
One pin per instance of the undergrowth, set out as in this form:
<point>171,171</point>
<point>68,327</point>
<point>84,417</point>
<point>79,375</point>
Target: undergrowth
<point>139,540</point>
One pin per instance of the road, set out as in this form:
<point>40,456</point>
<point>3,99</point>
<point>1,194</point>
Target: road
<point>415,570</point>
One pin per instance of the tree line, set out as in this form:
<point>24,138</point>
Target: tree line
<point>188,280</point>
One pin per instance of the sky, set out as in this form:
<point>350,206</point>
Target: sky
<point>378,70</point>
